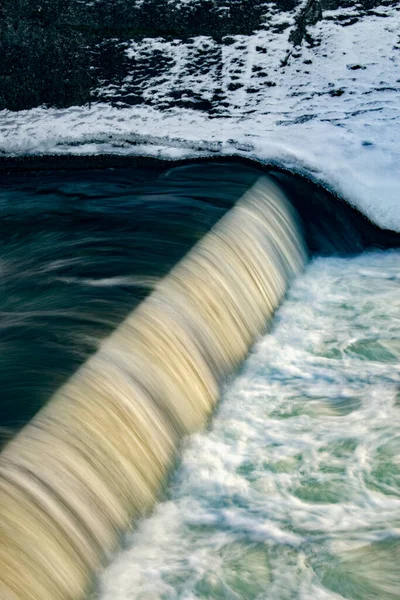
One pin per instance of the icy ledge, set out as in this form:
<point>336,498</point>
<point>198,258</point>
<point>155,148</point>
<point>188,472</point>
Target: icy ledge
<point>360,163</point>
<point>336,121</point>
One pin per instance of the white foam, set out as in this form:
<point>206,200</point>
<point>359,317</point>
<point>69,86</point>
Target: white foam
<point>299,472</point>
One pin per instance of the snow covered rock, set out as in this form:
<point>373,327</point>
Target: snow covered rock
<point>310,85</point>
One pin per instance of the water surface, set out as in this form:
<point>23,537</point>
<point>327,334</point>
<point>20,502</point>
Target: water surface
<point>294,492</point>
<point>78,251</point>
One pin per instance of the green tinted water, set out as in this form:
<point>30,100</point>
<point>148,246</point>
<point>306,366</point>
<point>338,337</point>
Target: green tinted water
<point>294,492</point>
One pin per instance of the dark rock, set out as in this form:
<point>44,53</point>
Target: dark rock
<point>339,92</point>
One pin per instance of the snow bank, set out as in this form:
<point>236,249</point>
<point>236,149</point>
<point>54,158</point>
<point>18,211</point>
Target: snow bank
<point>329,109</point>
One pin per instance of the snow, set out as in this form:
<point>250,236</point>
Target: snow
<point>329,109</point>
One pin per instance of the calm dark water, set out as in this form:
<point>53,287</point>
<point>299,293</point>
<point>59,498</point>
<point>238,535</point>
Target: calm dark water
<point>78,250</point>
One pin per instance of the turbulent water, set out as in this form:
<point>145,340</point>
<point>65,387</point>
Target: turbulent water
<point>294,492</point>
<point>78,251</point>
<point>95,458</point>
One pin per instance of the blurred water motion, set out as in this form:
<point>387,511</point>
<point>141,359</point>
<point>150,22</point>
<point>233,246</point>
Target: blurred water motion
<point>78,251</point>
<point>294,491</point>
<point>96,456</point>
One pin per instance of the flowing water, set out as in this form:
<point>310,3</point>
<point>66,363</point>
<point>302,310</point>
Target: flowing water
<point>121,313</point>
<point>78,251</point>
<point>96,456</point>
<point>294,491</point>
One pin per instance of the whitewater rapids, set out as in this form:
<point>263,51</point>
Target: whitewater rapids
<point>294,492</point>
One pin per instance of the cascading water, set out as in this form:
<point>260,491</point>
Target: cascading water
<point>127,299</point>
<point>294,492</point>
<point>95,457</point>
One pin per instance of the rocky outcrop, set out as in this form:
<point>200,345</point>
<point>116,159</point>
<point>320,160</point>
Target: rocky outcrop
<point>72,52</point>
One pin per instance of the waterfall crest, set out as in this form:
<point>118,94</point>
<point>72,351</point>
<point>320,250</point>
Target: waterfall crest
<point>96,456</point>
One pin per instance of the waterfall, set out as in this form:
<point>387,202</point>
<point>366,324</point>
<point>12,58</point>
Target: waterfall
<point>95,458</point>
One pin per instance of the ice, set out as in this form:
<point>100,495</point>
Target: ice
<point>329,110</point>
